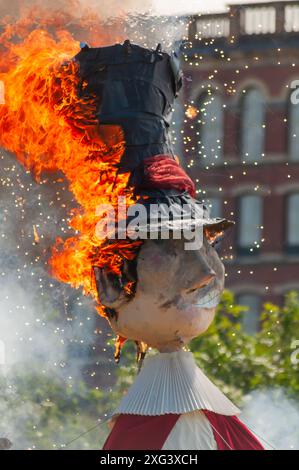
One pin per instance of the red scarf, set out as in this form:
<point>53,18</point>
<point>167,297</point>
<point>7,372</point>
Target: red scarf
<point>162,172</point>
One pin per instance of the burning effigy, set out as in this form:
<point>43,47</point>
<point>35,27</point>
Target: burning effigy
<point>102,117</point>
<point>167,292</point>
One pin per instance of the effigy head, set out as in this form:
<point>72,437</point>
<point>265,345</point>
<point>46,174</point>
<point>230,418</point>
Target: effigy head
<point>176,294</point>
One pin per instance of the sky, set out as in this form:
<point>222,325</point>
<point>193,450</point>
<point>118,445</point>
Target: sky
<point>195,6</point>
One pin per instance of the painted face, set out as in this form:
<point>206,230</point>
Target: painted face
<point>176,296</point>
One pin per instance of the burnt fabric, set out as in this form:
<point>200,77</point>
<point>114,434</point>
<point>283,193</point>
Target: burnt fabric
<point>136,432</point>
<point>135,89</point>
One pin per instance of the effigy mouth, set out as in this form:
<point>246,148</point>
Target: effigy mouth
<point>207,296</point>
<point>209,300</point>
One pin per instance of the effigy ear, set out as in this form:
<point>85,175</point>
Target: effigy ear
<point>110,288</point>
<point>113,289</point>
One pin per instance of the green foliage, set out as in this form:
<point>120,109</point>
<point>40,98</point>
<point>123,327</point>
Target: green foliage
<point>45,412</point>
<point>240,363</point>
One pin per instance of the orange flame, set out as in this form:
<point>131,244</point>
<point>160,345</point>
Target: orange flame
<point>191,112</point>
<point>45,124</point>
<point>36,235</point>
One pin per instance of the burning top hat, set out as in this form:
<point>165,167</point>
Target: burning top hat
<point>135,89</point>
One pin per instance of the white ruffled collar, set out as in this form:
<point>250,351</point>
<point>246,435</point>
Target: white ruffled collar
<point>172,383</point>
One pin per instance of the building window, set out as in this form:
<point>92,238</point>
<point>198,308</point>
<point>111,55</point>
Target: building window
<point>252,122</point>
<point>210,120</point>
<point>293,121</point>
<point>251,318</point>
<point>250,223</point>
<point>259,20</point>
<point>293,222</point>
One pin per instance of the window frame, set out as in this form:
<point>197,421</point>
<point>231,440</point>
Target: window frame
<point>259,302</point>
<point>242,153</point>
<point>290,121</point>
<point>204,95</point>
<point>292,249</point>
<point>243,250</point>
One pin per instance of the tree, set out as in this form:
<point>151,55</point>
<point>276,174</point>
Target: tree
<point>240,363</point>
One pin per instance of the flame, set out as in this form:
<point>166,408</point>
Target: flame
<point>49,128</point>
<point>36,235</point>
<point>119,342</point>
<point>191,112</point>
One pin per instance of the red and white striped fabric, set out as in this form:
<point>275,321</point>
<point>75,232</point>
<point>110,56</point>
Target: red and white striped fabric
<point>173,406</point>
<point>199,430</point>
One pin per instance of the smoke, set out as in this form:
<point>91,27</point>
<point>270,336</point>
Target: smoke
<point>274,417</point>
<point>103,22</point>
<point>47,329</point>
<point>40,319</point>
<point>103,8</point>
<point>106,8</point>
<point>141,22</point>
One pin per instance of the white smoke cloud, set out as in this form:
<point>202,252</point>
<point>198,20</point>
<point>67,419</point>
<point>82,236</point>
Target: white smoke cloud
<point>103,8</point>
<point>106,8</point>
<point>39,317</point>
<point>273,417</point>
<point>45,327</point>
<point>141,22</point>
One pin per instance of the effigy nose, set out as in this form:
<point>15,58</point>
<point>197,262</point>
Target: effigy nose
<point>200,273</point>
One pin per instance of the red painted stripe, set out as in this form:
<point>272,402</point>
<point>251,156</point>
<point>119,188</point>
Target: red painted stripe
<point>135,432</point>
<point>231,434</point>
